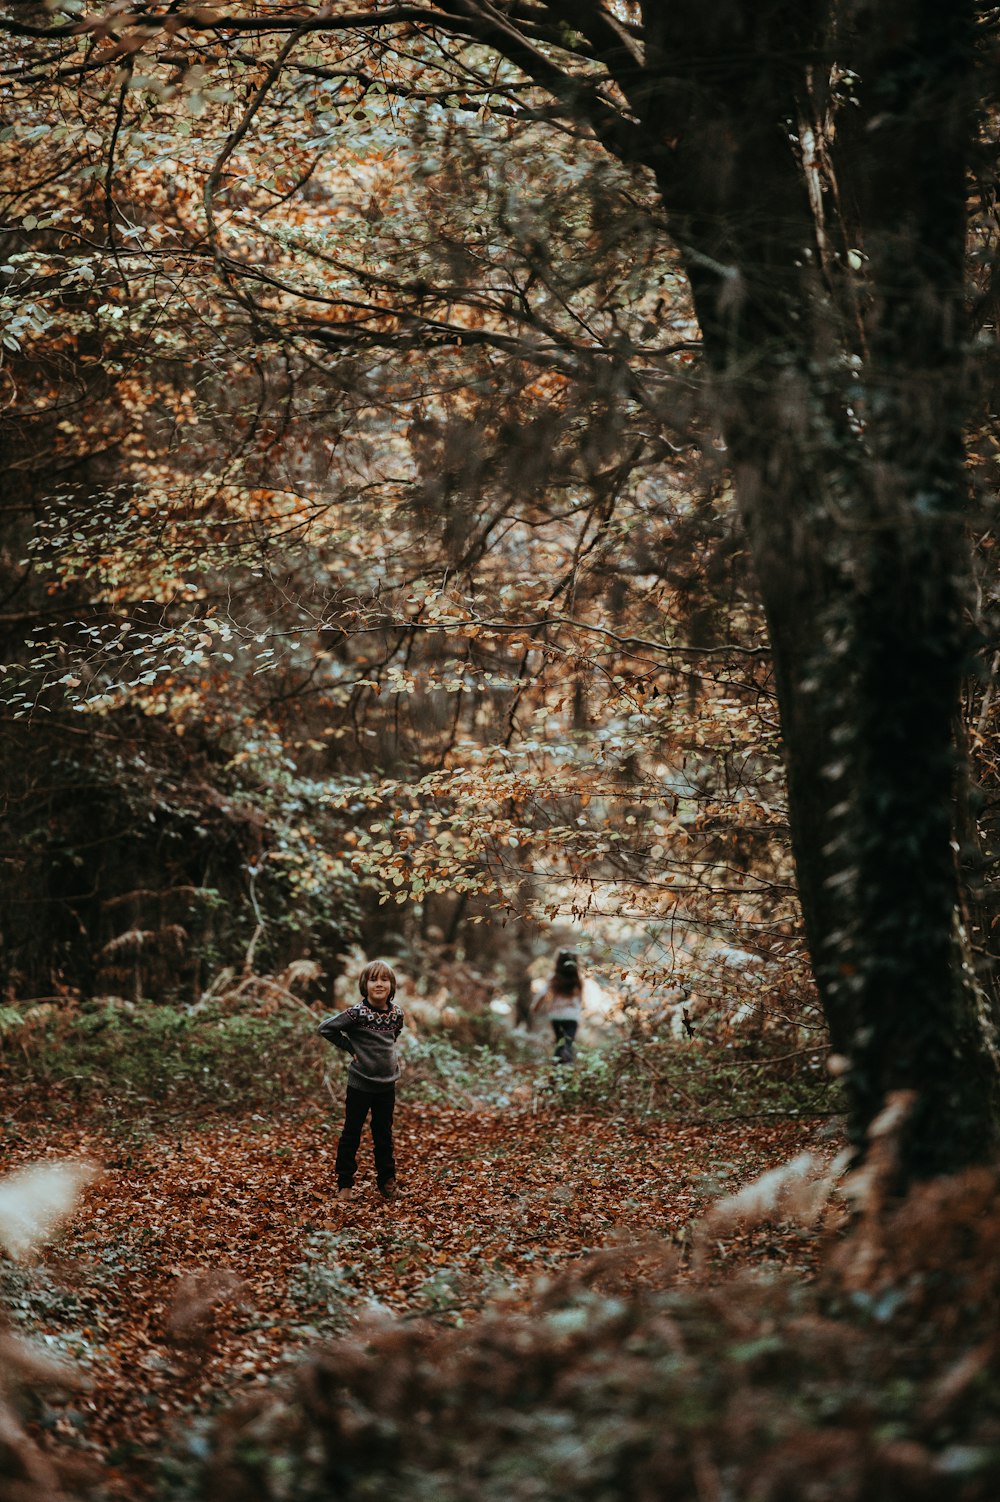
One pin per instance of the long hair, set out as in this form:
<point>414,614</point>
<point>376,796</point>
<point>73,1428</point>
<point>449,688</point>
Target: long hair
<point>566,973</point>
<point>373,968</point>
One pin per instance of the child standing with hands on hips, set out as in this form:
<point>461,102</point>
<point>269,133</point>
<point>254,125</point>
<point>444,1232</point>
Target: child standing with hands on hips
<point>369,1032</point>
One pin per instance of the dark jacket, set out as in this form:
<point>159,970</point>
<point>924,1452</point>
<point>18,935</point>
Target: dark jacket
<point>369,1036</point>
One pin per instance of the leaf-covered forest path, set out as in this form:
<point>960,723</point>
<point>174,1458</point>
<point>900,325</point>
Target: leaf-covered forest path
<point>208,1254</point>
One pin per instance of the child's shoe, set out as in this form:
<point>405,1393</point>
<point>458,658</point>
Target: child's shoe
<point>345,1192</point>
<point>388,1189</point>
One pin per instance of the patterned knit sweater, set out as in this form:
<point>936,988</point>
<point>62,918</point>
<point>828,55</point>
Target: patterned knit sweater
<point>369,1036</point>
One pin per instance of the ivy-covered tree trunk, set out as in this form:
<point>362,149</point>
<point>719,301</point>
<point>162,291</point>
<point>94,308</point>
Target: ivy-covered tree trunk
<point>839,372</point>
<point>922,1024</point>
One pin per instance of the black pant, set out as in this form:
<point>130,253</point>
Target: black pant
<point>565,1031</point>
<point>381,1104</point>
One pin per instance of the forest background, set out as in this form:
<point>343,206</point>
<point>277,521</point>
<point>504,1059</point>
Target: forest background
<point>479,479</point>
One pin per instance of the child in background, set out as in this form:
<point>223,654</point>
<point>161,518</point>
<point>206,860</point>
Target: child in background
<point>562,1003</point>
<point>368,1032</point>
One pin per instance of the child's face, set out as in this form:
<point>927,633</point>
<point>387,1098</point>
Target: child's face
<point>377,989</point>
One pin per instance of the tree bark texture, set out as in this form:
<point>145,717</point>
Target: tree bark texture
<point>836,342</point>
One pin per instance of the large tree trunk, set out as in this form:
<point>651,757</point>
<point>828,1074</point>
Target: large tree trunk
<point>841,400</point>
<point>924,1026</point>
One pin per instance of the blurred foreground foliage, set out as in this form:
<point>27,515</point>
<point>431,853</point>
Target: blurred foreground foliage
<point>880,1380</point>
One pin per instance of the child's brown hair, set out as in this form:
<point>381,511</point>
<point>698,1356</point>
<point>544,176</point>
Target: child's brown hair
<point>376,967</point>
<point>566,974</point>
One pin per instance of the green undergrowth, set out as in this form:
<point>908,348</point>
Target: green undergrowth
<point>110,1060</point>
<point>113,1060</point>
<point>700,1079</point>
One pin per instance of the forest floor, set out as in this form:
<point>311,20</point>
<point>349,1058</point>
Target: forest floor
<point>210,1251</point>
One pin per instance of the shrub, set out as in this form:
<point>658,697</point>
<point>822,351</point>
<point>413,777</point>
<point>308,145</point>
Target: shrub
<point>112,1053</point>
<point>440,1069</point>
